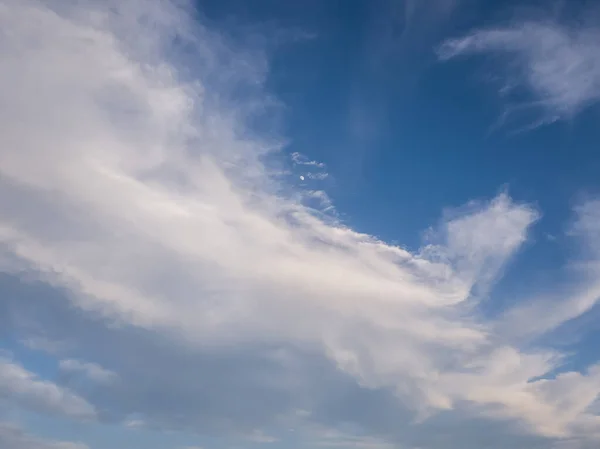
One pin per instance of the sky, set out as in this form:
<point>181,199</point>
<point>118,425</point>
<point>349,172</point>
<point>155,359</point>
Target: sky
<point>284,225</point>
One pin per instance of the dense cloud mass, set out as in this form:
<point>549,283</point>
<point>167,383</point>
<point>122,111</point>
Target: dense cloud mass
<point>177,275</point>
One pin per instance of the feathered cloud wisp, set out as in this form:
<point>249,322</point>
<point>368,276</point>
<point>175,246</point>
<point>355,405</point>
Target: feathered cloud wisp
<point>556,65</point>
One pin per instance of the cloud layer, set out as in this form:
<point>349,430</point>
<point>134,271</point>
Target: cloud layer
<point>134,187</point>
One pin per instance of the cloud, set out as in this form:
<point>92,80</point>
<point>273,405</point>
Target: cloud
<point>135,190</point>
<point>91,370</point>
<point>23,389</point>
<point>38,343</point>
<point>300,159</point>
<point>467,243</point>
<point>549,311</point>
<point>12,437</point>
<point>335,438</point>
<point>259,436</point>
<point>556,64</point>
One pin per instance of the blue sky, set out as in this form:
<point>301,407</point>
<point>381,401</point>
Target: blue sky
<point>349,224</point>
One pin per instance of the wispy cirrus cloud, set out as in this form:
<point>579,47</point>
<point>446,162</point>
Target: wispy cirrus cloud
<point>551,310</point>
<point>556,65</point>
<point>149,202</point>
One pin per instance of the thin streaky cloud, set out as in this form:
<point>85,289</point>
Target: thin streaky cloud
<point>558,65</point>
<point>300,159</point>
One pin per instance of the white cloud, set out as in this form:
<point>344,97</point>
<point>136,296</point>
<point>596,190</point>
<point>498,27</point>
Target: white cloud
<point>551,310</point>
<point>300,159</point>
<point>22,388</point>
<point>92,370</point>
<point>134,423</point>
<point>12,437</point>
<point>258,436</point>
<point>334,438</point>
<point>317,176</point>
<point>558,64</point>
<point>139,190</point>
<point>38,343</point>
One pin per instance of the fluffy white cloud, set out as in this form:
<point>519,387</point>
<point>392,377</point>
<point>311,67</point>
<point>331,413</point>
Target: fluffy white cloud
<point>558,64</point>
<point>133,183</point>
